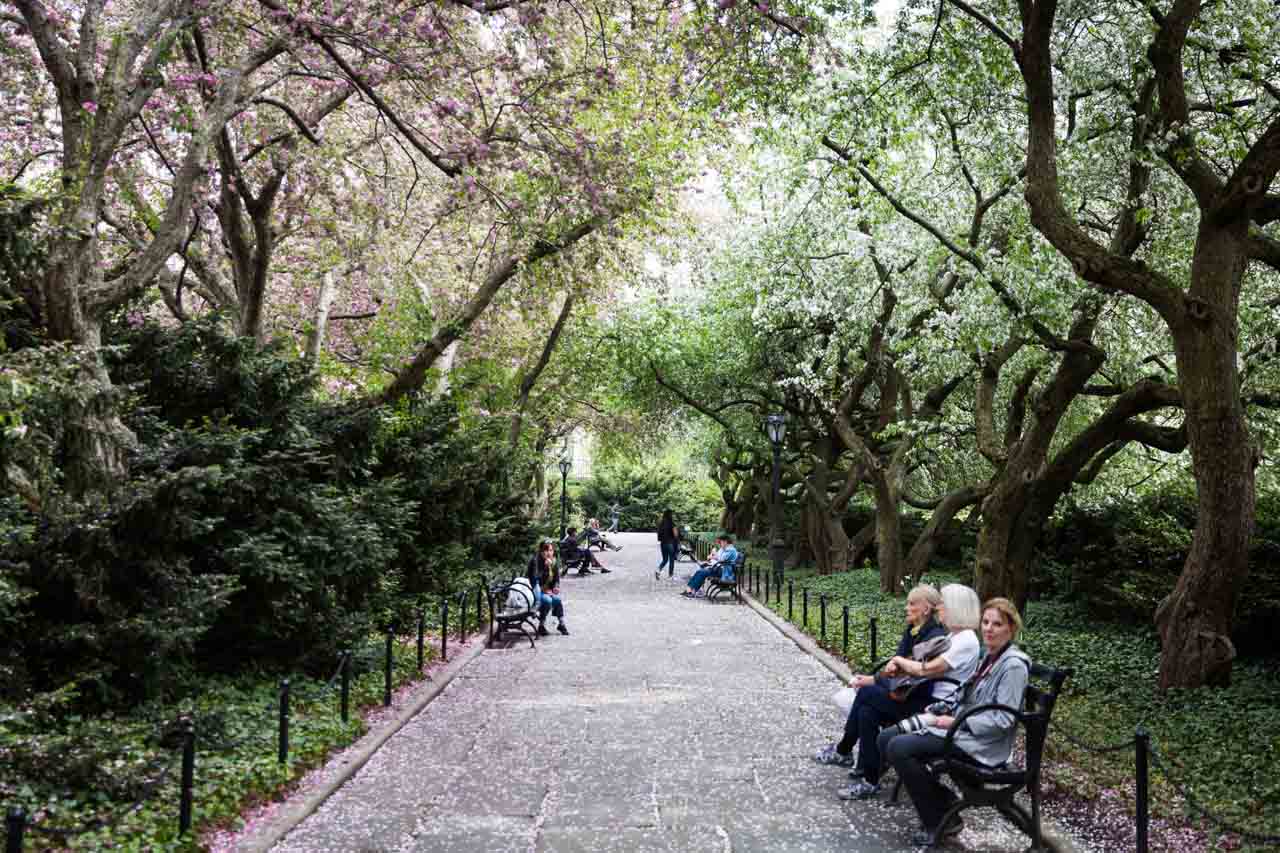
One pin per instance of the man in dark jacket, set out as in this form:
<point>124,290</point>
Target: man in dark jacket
<point>571,554</point>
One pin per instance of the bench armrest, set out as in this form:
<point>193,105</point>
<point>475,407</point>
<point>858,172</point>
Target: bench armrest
<point>949,747</point>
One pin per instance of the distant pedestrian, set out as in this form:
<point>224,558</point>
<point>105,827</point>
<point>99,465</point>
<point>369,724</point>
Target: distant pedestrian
<point>669,543</point>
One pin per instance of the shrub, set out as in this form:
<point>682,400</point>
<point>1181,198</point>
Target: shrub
<point>644,490</point>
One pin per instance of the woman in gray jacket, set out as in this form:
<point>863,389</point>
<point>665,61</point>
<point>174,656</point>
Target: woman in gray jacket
<point>986,738</point>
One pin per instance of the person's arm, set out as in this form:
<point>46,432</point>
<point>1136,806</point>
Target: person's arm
<point>920,669</point>
<point>1009,690</point>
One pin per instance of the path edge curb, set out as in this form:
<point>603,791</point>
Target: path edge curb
<point>1055,841</point>
<point>281,825</point>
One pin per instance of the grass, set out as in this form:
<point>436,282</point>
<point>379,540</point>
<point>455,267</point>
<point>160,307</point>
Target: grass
<point>113,781</point>
<point>1222,745</point>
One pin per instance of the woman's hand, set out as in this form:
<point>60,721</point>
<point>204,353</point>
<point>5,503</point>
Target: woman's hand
<point>555,590</point>
<point>861,681</point>
<point>945,722</point>
<point>895,666</point>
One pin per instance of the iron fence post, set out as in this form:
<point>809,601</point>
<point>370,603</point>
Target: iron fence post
<point>15,824</point>
<point>283,751</point>
<point>791,592</point>
<point>345,704</point>
<point>844,629</point>
<point>874,653</point>
<point>188,777</point>
<point>444,628</point>
<point>804,607</point>
<point>422,627</point>
<point>479,604</point>
<point>386,670</point>
<point>766,587</point>
<point>822,619</point>
<point>1142,747</point>
<point>462,617</point>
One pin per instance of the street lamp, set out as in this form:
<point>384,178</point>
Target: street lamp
<point>565,465</point>
<point>776,428</point>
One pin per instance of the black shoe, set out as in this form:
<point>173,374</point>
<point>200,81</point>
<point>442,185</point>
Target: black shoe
<point>604,571</point>
<point>562,629</point>
<point>671,573</point>
<point>542,630</point>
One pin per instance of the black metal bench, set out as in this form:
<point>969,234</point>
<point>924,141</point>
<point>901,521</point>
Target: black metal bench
<point>715,585</point>
<point>522,617</point>
<point>580,561</point>
<point>997,787</point>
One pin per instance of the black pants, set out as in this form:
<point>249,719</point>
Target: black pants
<point>873,708</point>
<point>909,754</point>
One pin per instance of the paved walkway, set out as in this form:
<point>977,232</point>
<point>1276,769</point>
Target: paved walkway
<point>661,724</point>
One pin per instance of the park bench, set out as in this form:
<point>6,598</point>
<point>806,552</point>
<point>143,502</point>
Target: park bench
<point>513,609</point>
<point>717,585</point>
<point>581,561</point>
<point>997,787</point>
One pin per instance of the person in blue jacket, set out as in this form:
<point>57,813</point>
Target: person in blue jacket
<point>728,555</point>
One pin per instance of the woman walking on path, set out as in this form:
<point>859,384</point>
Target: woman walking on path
<point>669,542</point>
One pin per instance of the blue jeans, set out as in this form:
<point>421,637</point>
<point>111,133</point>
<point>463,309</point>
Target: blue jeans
<point>547,602</point>
<point>670,550</point>
<point>698,579</point>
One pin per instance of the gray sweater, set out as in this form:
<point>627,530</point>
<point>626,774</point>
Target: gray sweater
<point>988,736</point>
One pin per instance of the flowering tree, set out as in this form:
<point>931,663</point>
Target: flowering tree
<point>1192,85</point>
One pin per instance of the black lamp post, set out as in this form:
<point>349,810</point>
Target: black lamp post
<point>776,427</point>
<point>565,465</point>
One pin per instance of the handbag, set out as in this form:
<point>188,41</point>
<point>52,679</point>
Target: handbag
<point>843,699</point>
<point>900,687</point>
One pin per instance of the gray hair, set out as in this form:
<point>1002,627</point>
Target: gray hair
<point>963,609</point>
<point>927,593</point>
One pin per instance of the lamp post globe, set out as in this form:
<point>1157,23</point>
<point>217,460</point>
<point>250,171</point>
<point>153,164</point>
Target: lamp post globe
<point>565,465</point>
<point>775,427</point>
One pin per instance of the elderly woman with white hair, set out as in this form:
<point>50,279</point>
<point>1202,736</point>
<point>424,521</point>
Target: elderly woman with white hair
<point>929,680</point>
<point>985,737</point>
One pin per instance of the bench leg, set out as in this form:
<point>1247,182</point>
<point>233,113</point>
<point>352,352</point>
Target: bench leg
<point>1018,816</point>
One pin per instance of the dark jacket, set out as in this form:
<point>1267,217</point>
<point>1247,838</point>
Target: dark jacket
<point>928,631</point>
<point>667,531</point>
<point>540,575</point>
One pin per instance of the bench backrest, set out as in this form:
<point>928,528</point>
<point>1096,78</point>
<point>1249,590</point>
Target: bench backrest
<point>1044,686</point>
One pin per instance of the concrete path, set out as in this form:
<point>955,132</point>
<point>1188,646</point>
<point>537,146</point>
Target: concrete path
<point>660,724</point>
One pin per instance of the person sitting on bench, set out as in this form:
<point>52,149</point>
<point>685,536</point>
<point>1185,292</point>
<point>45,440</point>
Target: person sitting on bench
<point>544,578</point>
<point>985,738</point>
<point>728,555</point>
<point>571,554</point>
<point>881,699</point>
<point>596,537</point>
<point>938,675</point>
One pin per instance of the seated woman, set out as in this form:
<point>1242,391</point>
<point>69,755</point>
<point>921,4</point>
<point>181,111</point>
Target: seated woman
<point>986,737</point>
<point>544,578</point>
<point>727,555</point>
<point>571,553</point>
<point>874,705</point>
<point>958,611</point>
<point>597,538</point>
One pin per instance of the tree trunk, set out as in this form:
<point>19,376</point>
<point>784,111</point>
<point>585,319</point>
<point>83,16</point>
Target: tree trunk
<point>888,531</point>
<point>1006,540</point>
<point>861,541</point>
<point>744,517</point>
<point>96,441</point>
<point>1195,619</point>
<point>315,340</point>
<point>922,551</point>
